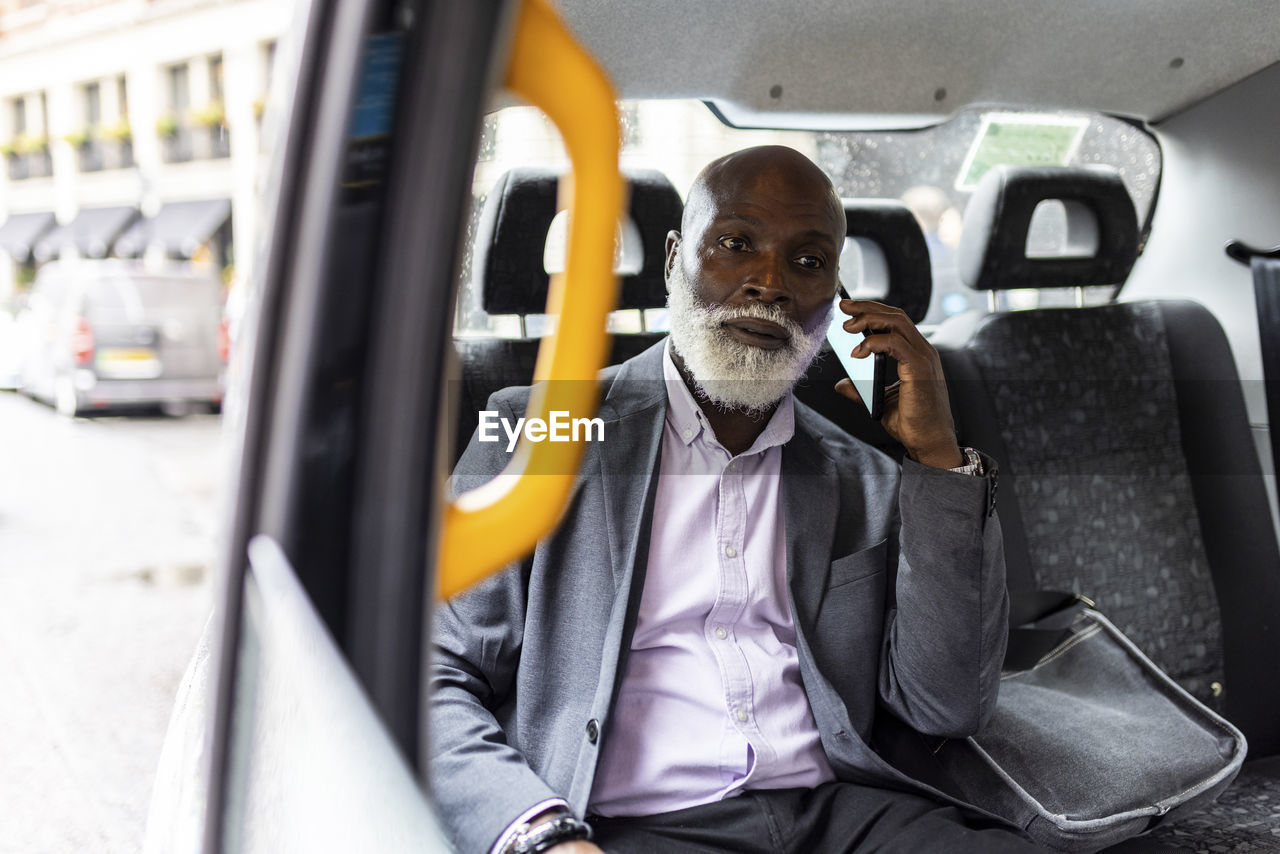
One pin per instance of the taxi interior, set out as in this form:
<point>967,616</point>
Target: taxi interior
<point>1130,419</point>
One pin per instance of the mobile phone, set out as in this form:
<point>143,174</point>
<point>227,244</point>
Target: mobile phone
<point>868,374</point>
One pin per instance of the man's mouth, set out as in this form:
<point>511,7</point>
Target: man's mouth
<point>758,333</point>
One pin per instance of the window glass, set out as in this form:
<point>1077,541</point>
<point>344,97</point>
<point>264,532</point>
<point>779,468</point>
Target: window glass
<point>179,91</point>
<point>92,104</point>
<point>932,171</point>
<point>268,64</point>
<point>144,290</point>
<point>215,77</point>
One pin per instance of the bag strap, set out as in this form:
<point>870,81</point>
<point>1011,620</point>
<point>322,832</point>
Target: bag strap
<point>1039,620</point>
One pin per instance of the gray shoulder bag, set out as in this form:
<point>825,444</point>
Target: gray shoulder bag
<point>1090,743</point>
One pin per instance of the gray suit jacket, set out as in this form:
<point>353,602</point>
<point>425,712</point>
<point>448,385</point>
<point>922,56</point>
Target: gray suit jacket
<point>896,587</point>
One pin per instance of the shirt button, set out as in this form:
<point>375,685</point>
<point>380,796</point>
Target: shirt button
<point>730,551</point>
<point>733,466</point>
<point>721,633</point>
<point>593,731</point>
<point>687,432</point>
<point>742,716</point>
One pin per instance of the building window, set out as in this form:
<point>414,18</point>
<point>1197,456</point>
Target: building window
<point>27,148</point>
<point>19,116</point>
<point>212,139</point>
<point>93,104</point>
<point>179,88</point>
<point>215,77</point>
<point>172,127</point>
<point>110,144</point>
<point>86,139</point>
<point>266,67</point>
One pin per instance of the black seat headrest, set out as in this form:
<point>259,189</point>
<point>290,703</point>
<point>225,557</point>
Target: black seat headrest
<point>512,236</point>
<point>891,226</point>
<point>1100,217</point>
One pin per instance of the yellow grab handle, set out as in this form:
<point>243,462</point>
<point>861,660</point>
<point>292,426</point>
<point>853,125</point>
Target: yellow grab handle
<point>489,527</point>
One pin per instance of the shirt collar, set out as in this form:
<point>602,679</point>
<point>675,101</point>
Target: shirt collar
<point>684,414</point>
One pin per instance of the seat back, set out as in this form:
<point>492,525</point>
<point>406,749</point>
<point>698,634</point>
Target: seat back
<point>889,233</point>
<point>509,271</point>
<point>1128,472</point>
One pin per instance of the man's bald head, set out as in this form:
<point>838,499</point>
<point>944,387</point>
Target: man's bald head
<point>758,168</point>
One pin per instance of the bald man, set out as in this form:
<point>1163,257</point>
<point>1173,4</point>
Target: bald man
<point>697,658</point>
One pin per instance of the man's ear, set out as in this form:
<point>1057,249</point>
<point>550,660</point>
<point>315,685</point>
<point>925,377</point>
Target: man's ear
<point>673,252</point>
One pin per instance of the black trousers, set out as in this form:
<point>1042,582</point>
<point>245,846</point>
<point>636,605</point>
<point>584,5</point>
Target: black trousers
<point>832,819</point>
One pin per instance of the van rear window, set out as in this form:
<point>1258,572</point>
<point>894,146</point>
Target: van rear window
<point>133,297</point>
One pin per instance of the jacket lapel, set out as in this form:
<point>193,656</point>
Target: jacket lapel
<point>810,505</point>
<point>634,411</point>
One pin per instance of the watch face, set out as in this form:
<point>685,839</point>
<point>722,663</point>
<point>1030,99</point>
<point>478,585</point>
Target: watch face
<point>972,462</point>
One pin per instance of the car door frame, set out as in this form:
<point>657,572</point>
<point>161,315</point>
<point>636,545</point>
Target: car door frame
<point>399,450</point>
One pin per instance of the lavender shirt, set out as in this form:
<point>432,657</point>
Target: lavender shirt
<point>711,701</point>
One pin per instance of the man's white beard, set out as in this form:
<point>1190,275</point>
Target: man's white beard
<point>731,374</point>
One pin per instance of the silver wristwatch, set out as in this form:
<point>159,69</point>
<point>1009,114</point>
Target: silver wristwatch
<point>972,463</point>
<point>562,828</point>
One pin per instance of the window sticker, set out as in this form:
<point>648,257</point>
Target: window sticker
<point>1021,139</point>
<point>368,137</point>
<point>375,99</point>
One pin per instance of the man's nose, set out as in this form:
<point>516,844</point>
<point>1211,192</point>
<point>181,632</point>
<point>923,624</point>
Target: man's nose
<point>767,281</point>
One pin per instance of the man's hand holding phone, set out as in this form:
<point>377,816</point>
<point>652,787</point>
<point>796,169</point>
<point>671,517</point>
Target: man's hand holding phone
<point>916,410</point>
<point>868,376</point>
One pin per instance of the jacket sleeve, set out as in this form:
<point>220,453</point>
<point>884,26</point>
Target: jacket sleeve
<point>479,781</point>
<point>947,626</point>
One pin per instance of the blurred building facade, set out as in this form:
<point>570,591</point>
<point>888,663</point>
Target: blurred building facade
<point>131,128</point>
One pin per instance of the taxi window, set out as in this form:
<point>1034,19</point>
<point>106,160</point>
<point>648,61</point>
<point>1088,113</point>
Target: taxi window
<point>932,171</point>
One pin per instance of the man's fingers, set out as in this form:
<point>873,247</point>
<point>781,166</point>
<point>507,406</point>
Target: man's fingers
<point>889,343</point>
<point>861,306</point>
<point>914,362</point>
<point>880,316</point>
<point>889,331</point>
<point>845,387</point>
<point>856,307</point>
<point>879,325</point>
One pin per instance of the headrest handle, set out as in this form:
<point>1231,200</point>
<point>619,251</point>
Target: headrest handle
<point>993,244</point>
<point>512,236</point>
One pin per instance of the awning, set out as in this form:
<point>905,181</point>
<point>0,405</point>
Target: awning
<point>92,233</point>
<point>20,232</point>
<point>181,227</point>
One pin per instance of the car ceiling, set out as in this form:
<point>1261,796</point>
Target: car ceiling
<point>884,63</point>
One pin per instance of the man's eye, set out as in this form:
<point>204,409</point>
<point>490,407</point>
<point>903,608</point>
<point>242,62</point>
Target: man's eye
<point>812,262</point>
<point>734,244</point>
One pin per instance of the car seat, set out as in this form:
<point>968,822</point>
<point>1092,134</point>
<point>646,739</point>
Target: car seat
<point>1128,469</point>
<point>508,270</point>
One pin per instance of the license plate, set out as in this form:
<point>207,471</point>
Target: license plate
<point>128,362</point>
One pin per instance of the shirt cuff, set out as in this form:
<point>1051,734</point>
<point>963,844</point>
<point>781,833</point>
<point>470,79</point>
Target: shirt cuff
<point>509,834</point>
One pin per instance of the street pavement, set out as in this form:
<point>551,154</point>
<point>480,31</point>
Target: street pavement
<point>107,534</point>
